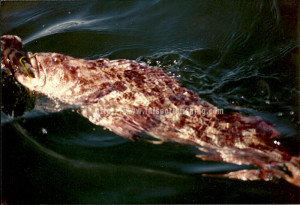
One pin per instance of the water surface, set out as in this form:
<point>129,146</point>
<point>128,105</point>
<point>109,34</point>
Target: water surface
<point>238,55</point>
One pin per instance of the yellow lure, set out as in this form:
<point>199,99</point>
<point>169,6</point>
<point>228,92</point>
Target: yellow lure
<point>21,62</point>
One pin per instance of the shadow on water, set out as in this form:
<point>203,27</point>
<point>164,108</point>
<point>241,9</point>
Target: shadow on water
<point>128,178</point>
<point>238,55</point>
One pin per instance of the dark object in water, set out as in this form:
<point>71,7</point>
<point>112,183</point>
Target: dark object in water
<point>16,99</point>
<point>131,98</point>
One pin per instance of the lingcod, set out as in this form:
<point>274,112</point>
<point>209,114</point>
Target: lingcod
<point>133,99</point>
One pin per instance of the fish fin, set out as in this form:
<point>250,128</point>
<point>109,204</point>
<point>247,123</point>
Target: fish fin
<point>124,129</point>
<point>156,142</point>
<point>210,154</point>
<point>245,175</point>
<point>112,121</point>
<point>213,157</point>
<point>263,174</point>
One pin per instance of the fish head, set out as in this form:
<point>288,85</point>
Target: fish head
<point>48,72</point>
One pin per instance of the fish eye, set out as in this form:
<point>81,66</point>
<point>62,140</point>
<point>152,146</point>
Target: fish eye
<point>57,59</point>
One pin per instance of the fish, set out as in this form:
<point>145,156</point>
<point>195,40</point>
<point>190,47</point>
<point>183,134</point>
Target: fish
<point>133,99</point>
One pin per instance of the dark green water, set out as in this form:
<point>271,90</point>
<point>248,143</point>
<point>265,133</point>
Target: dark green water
<point>238,55</point>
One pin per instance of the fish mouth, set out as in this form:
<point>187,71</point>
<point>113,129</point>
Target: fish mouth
<point>36,68</point>
<point>25,67</point>
<point>32,61</point>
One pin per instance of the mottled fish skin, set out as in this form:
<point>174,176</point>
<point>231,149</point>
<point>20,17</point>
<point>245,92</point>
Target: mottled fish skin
<point>125,96</point>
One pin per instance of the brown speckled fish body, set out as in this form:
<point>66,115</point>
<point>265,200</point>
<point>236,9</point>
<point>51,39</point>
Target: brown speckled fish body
<point>130,98</point>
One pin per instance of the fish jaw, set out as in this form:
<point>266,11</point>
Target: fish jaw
<point>35,79</point>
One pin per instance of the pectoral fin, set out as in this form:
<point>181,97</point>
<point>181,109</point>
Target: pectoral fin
<point>245,175</point>
<point>114,121</point>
